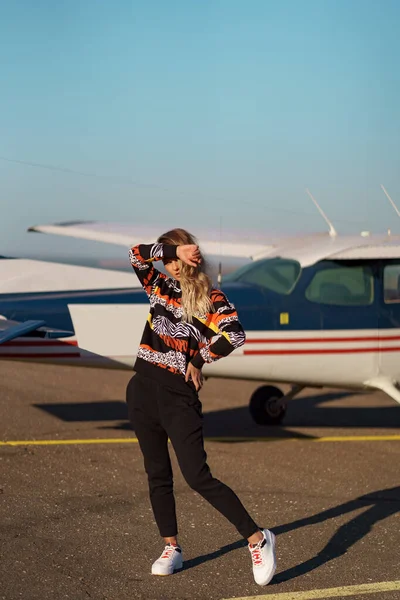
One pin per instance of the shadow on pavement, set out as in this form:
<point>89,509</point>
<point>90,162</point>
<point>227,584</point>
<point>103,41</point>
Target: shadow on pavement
<point>107,410</point>
<point>307,411</point>
<point>379,505</point>
<point>195,562</point>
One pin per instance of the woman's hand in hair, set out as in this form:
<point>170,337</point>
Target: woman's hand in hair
<point>189,254</point>
<point>195,375</point>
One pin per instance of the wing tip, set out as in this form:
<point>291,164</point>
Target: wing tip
<point>39,228</point>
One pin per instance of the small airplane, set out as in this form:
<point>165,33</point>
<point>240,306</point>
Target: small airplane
<point>321,310</point>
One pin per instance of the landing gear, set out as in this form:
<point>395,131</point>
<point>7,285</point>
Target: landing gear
<point>268,404</point>
<point>265,406</point>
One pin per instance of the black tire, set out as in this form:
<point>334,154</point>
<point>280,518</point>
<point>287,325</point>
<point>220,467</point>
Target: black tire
<point>263,406</point>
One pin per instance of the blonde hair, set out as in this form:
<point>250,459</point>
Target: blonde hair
<point>195,283</point>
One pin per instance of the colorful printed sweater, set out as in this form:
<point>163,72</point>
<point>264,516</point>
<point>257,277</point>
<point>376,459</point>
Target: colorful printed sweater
<point>168,342</point>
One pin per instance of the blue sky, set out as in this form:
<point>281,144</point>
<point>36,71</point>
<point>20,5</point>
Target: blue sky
<point>195,110</point>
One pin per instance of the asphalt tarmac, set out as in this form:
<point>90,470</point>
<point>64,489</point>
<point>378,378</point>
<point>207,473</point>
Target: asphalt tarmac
<point>75,519</point>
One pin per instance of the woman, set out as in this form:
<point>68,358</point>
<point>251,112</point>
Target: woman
<point>189,324</point>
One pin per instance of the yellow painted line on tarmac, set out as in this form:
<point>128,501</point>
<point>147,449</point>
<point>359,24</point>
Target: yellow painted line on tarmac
<point>132,440</point>
<point>295,438</point>
<point>68,442</point>
<point>338,592</point>
<point>356,438</point>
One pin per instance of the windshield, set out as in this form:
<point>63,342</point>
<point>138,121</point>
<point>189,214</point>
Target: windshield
<point>279,275</point>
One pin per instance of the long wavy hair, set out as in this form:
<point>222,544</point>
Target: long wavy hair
<point>195,283</point>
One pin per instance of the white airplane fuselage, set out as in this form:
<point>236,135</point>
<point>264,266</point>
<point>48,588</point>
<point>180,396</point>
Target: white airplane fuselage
<point>307,333</point>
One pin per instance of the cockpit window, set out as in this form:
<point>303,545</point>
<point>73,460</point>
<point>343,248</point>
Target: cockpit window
<point>391,283</point>
<point>341,285</point>
<point>275,274</point>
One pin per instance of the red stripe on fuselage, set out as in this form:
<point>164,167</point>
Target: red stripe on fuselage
<point>323,351</point>
<point>41,355</point>
<point>38,343</point>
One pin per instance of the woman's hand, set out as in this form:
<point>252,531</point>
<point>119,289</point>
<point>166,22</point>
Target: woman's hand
<point>195,375</point>
<point>189,254</point>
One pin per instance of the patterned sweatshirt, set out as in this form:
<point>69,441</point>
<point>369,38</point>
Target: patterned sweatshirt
<point>169,343</point>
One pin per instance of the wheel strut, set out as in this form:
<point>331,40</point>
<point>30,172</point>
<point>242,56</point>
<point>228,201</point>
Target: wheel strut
<point>294,390</point>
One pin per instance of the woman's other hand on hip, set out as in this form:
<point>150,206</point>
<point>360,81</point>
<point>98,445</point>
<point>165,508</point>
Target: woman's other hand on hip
<point>195,375</point>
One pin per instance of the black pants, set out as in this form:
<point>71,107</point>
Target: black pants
<point>157,413</point>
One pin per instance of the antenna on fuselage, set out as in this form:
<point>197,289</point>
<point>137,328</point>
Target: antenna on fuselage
<point>390,200</point>
<point>332,230</point>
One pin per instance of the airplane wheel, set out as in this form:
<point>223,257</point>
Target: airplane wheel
<point>264,407</point>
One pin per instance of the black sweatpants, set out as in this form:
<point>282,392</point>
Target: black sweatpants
<point>158,412</point>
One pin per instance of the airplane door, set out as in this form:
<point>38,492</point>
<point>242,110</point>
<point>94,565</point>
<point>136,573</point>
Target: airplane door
<point>344,293</point>
<point>389,319</point>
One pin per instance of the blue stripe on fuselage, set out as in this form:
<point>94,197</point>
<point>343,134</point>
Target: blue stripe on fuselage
<point>53,306</point>
<point>261,310</point>
<point>258,309</point>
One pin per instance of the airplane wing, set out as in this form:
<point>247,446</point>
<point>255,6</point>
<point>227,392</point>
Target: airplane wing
<point>19,275</point>
<point>231,245</point>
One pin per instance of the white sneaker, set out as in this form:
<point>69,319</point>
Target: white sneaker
<point>169,561</point>
<point>263,558</point>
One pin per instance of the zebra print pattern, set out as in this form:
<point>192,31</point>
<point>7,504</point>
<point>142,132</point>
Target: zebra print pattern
<point>163,326</point>
<point>157,251</point>
<point>237,339</point>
